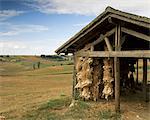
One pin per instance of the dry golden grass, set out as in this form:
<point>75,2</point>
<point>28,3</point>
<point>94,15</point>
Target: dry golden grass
<point>19,91</point>
<point>23,90</point>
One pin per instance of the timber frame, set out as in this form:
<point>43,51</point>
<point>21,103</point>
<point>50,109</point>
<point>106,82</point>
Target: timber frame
<point>125,35</point>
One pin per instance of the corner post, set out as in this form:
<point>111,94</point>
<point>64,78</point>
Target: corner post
<point>74,82</point>
<point>117,68</point>
<point>137,71</point>
<point>145,79</point>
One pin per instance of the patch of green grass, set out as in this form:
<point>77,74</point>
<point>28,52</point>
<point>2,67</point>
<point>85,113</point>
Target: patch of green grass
<point>41,115</point>
<point>56,104</point>
<point>22,64</point>
<point>48,110</point>
<point>109,115</point>
<point>106,114</point>
<point>78,111</point>
<point>53,109</point>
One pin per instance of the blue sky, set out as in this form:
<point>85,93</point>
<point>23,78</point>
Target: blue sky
<point>34,27</point>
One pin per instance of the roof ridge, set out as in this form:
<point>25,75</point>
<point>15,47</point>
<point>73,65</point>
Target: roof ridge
<point>137,17</point>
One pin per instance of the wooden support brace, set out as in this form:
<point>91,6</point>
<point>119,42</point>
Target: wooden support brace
<point>101,38</point>
<point>108,44</point>
<point>136,34</point>
<point>92,48</point>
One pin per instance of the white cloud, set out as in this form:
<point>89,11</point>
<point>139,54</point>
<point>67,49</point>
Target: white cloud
<point>80,24</point>
<point>16,47</point>
<point>12,47</point>
<point>28,47</point>
<point>13,29</point>
<point>6,14</point>
<point>90,7</point>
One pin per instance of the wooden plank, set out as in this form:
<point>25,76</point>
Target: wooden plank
<point>136,34</point>
<point>133,53</point>
<point>108,44</point>
<point>145,79</point>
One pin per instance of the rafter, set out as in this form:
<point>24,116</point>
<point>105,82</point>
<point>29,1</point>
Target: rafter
<point>136,34</point>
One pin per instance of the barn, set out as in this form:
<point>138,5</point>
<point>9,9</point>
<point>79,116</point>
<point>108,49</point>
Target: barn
<point>106,53</point>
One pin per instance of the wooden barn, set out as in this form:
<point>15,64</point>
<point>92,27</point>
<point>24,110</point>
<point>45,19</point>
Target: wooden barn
<point>106,53</point>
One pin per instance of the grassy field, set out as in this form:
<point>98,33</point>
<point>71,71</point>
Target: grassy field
<point>22,87</point>
<point>45,94</point>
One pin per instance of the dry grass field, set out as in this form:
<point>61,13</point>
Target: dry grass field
<point>45,94</point>
<point>22,88</point>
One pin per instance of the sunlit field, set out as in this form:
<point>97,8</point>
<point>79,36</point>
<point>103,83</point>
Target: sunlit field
<point>45,93</point>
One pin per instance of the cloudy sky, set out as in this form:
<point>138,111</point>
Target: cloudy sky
<point>34,27</point>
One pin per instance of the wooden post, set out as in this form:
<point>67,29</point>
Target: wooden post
<point>117,69</point>
<point>145,79</point>
<point>74,91</point>
<point>137,72</point>
<point>117,84</point>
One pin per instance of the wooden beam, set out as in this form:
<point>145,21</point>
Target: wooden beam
<point>136,34</point>
<point>138,23</point>
<point>132,53</point>
<point>108,44</point>
<point>145,79</point>
<point>109,33</point>
<point>101,38</point>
